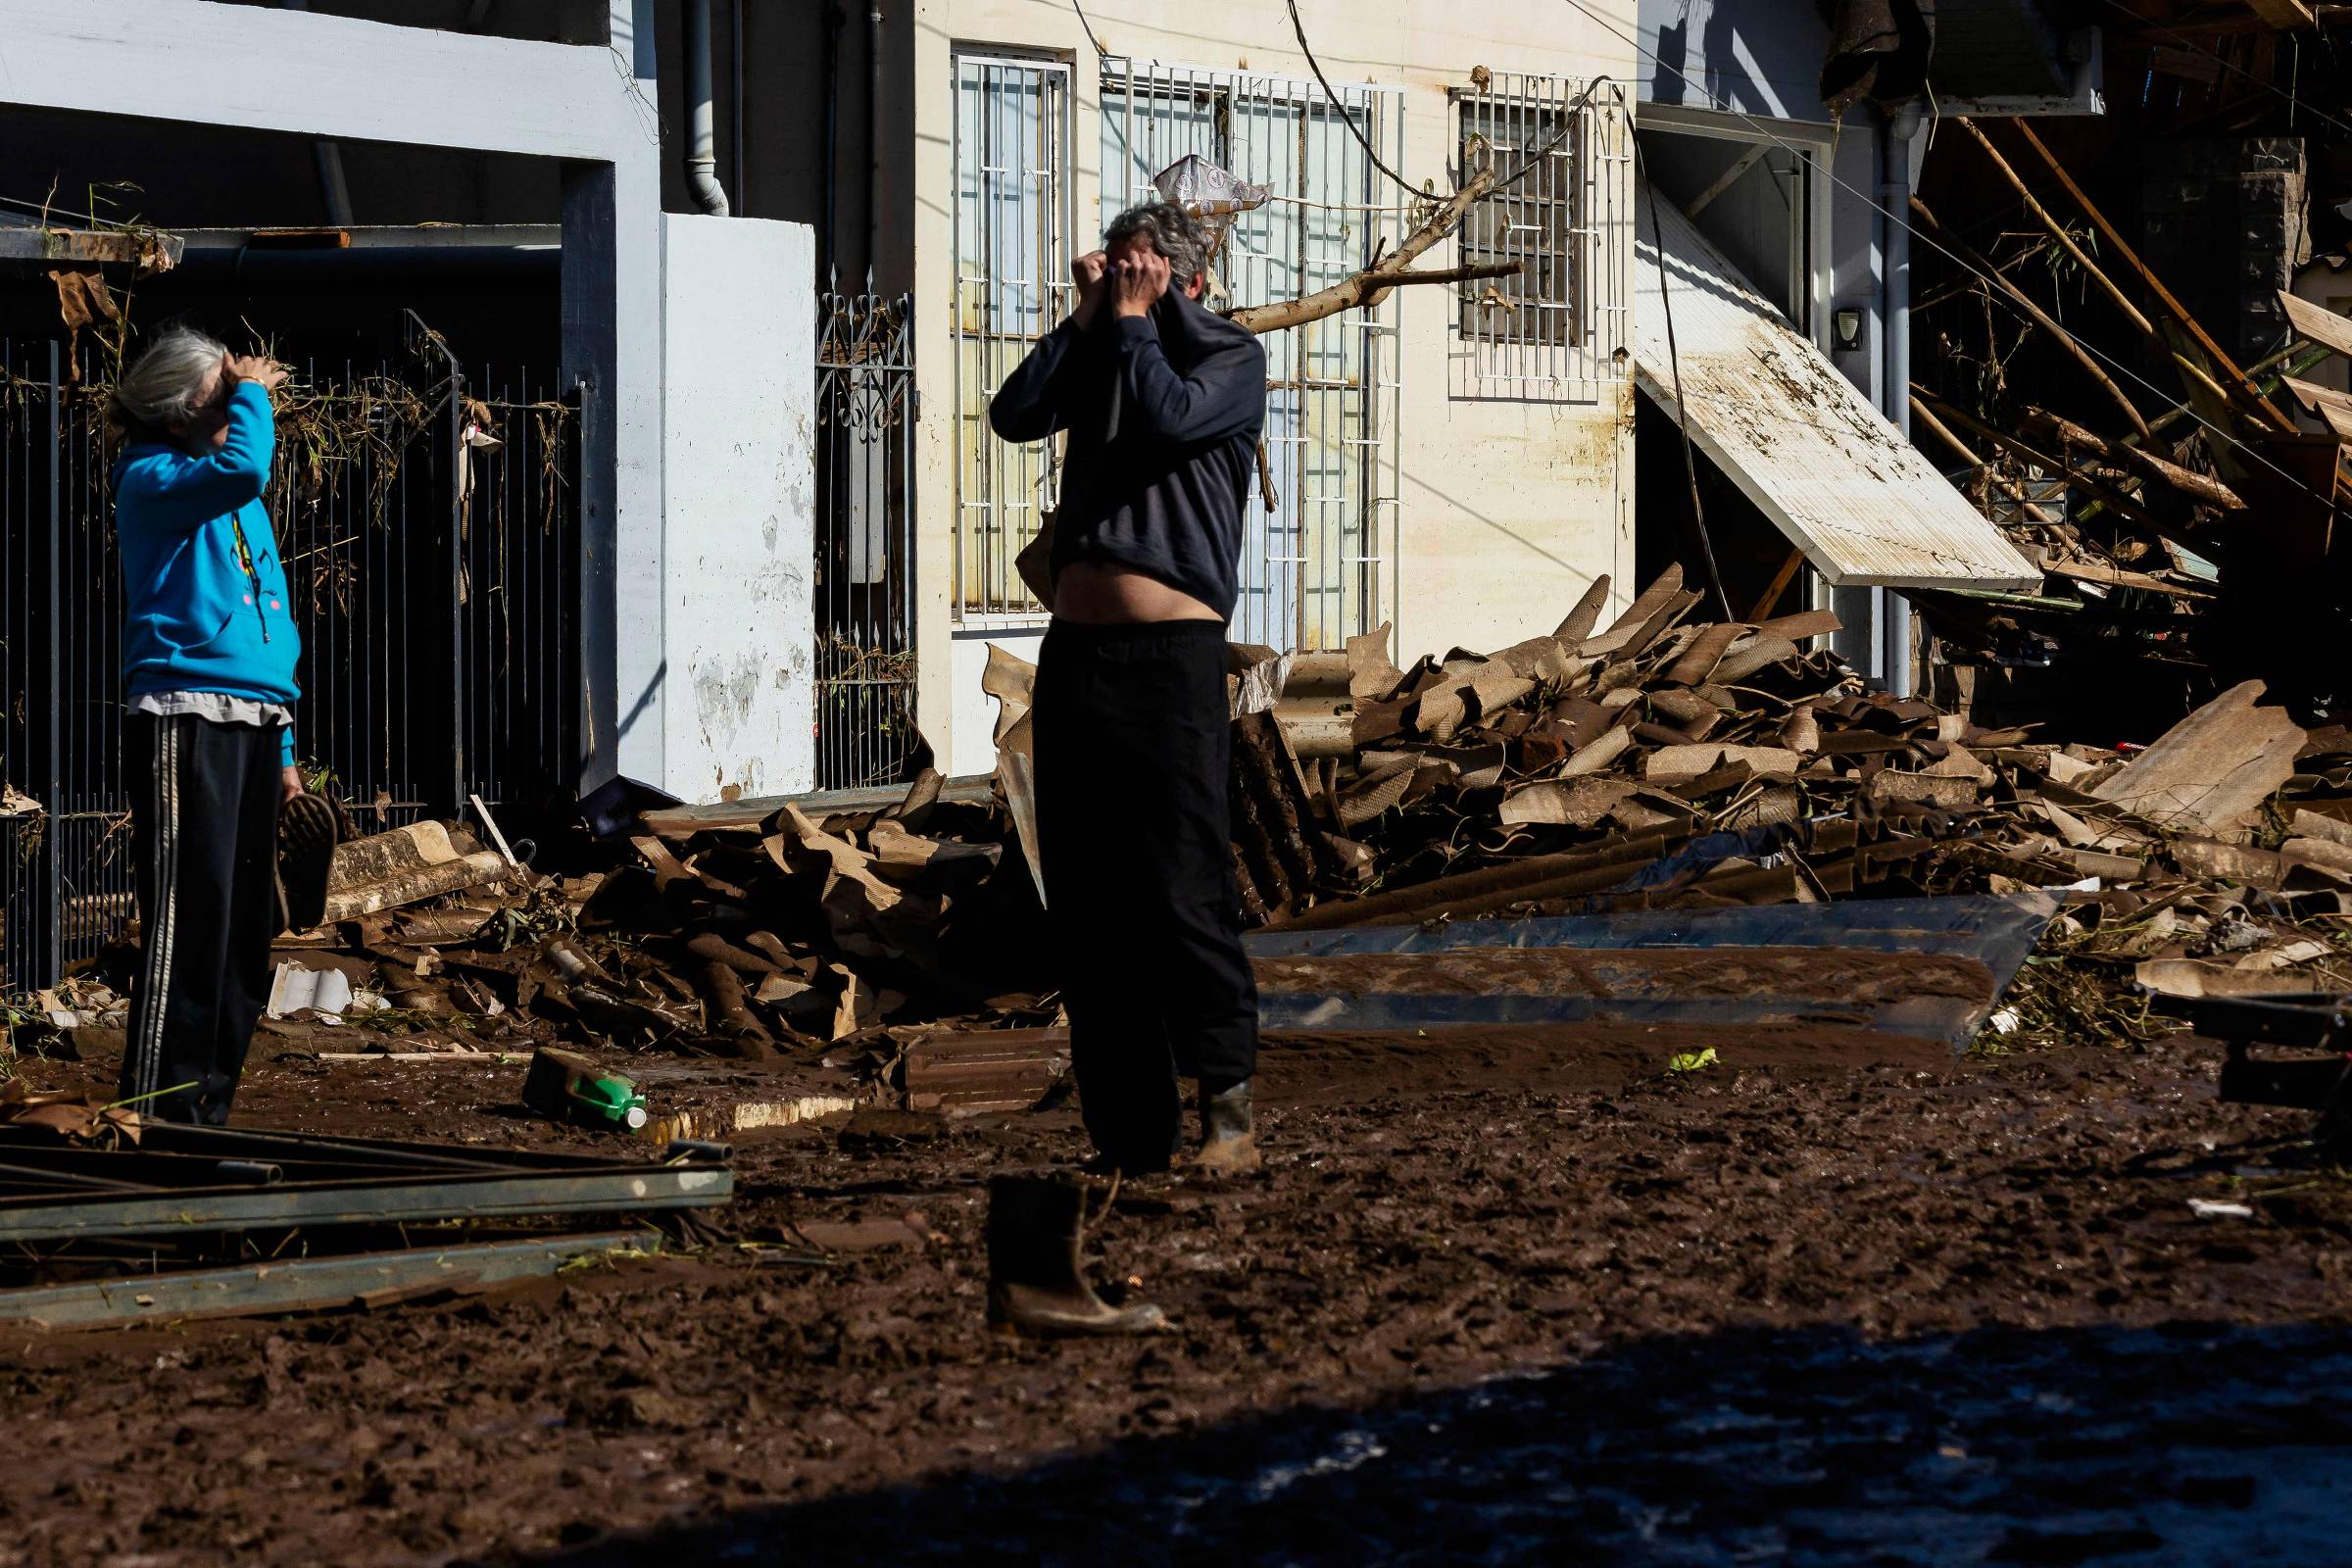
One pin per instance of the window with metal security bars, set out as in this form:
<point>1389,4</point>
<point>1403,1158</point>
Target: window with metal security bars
<point>1318,559</point>
<point>1532,221</point>
<point>1013,287</point>
<point>1562,155</point>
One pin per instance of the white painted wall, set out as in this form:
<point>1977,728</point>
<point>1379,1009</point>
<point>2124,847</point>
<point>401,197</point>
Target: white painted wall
<point>971,745</point>
<point>739,483</point>
<point>1508,508</point>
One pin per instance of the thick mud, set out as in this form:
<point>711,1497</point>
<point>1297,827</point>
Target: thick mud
<point>1519,1296</point>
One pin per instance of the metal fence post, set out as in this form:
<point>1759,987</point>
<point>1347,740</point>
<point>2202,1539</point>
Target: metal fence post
<point>53,897</point>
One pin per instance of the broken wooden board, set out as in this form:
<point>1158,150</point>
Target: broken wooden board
<point>986,1069</point>
<point>1993,933</point>
<point>2211,772</point>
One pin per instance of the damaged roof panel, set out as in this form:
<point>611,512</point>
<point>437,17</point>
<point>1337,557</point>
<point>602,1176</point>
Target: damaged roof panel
<point>1800,440</point>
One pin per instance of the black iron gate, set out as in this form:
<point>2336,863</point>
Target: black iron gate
<point>428,517</point>
<point>865,730</point>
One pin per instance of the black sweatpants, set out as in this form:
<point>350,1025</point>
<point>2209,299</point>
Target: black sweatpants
<point>204,826</point>
<point>1132,738</point>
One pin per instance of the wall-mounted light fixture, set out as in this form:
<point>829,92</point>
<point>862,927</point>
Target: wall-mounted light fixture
<point>1846,327</point>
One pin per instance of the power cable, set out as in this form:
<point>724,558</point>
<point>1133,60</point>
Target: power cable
<point>1100,53</point>
<point>1312,64</point>
<point>1674,361</point>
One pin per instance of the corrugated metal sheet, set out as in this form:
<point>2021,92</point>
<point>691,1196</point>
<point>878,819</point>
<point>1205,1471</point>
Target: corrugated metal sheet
<point>1770,411</point>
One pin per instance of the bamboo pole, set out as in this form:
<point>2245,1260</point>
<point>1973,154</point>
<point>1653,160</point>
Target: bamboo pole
<point>2057,229</point>
<point>2164,295</point>
<point>2043,319</point>
<point>2017,492</point>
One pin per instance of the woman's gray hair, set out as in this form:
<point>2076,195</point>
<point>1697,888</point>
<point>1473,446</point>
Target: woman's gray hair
<point>1171,230</point>
<point>165,386</point>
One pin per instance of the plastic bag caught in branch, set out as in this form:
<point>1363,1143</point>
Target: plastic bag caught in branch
<point>1208,193</point>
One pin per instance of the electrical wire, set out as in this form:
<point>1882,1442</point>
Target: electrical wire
<point>1300,27</point>
<point>1100,52</point>
<point>1766,133</point>
<point>1674,361</point>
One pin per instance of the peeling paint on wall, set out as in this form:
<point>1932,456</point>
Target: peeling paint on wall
<point>738,506</point>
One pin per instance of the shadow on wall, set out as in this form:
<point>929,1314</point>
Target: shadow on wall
<point>2184,1443</point>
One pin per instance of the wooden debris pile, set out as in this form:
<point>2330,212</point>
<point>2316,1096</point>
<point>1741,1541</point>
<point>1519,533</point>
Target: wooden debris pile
<point>2174,540</point>
<point>756,936</point>
<point>1656,762</point>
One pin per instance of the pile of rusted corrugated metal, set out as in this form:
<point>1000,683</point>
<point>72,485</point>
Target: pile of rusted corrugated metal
<point>1653,762</point>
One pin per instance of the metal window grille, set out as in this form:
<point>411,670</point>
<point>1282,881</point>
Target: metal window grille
<point>1553,330</point>
<point>1318,563</point>
<point>428,523</point>
<point>866,731</point>
<point>1012,270</point>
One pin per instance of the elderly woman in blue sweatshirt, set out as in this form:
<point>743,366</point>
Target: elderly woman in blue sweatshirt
<point>209,652</point>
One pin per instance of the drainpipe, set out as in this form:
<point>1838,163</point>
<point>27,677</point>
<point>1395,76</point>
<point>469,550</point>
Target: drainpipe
<point>332,188</point>
<point>1894,195</point>
<point>874,139</point>
<point>702,139</point>
<point>835,19</point>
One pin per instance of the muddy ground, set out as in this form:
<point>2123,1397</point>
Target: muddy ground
<point>1513,1297</point>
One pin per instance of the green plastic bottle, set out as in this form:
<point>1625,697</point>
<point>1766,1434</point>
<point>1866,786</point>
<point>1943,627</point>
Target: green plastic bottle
<point>571,1088</point>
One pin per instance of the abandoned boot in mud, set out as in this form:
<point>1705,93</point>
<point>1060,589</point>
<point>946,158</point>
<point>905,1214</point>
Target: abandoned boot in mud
<point>1227,1132</point>
<point>309,827</point>
<point>1036,1226</point>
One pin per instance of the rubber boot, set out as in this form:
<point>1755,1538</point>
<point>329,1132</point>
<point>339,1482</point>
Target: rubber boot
<point>1228,1134</point>
<point>1035,1227</point>
<point>309,827</point>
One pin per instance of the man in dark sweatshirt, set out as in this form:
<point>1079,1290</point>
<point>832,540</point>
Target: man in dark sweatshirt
<point>1162,401</point>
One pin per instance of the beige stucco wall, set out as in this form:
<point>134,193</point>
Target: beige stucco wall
<point>1508,508</point>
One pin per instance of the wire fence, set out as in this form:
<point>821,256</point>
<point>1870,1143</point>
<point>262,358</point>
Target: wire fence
<point>428,517</point>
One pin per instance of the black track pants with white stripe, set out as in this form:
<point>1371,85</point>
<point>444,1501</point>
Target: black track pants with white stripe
<point>204,824</point>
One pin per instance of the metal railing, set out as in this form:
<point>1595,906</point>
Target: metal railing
<point>865,732</point>
<point>1318,563</point>
<point>1011,267</point>
<point>1552,332</point>
<point>428,523</point>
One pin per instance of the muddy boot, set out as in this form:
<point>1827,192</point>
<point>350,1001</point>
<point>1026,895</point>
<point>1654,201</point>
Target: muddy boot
<point>309,827</point>
<point>1228,1134</point>
<point>1035,1227</point>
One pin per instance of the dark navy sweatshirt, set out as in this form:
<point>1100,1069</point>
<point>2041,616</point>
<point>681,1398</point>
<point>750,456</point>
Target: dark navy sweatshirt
<point>1163,413</point>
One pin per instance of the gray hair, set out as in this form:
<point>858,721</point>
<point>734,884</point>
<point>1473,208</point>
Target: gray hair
<point>165,386</point>
<point>1171,230</point>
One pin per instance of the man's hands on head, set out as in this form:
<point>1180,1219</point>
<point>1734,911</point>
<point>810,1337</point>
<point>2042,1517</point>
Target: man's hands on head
<point>1138,282</point>
<point>1087,272</point>
<point>1132,284</point>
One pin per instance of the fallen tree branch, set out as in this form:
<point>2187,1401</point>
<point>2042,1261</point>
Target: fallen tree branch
<point>2123,506</point>
<point>1371,285</point>
<point>2140,463</point>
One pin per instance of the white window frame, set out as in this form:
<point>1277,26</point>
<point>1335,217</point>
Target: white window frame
<point>1573,212</point>
<point>1003,490</point>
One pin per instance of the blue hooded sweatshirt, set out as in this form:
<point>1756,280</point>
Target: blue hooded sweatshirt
<point>204,593</point>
